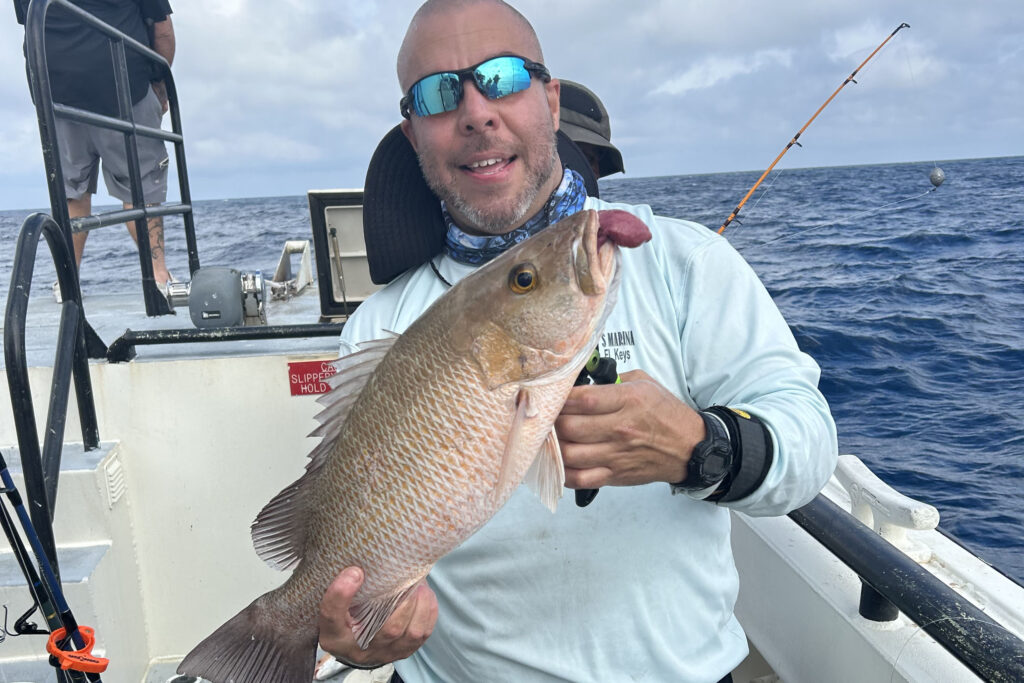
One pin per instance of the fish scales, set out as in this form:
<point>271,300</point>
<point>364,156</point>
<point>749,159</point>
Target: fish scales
<point>433,448</point>
<point>442,432</point>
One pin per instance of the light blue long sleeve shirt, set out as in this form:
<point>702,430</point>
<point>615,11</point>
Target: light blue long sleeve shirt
<point>641,584</point>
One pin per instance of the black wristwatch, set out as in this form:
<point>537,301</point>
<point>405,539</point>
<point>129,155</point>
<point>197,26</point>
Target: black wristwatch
<point>711,460</point>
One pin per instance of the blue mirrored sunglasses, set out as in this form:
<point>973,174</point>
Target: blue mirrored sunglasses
<point>497,77</point>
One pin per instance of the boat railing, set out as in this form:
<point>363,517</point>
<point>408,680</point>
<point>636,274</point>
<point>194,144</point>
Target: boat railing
<point>41,467</point>
<point>47,112</point>
<point>893,582</point>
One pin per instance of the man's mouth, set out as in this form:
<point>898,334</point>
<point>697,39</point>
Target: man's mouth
<point>488,166</point>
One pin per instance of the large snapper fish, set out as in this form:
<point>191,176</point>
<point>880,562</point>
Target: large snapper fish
<point>426,436</point>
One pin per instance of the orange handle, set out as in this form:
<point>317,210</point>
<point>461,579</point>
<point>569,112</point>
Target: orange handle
<point>77,660</point>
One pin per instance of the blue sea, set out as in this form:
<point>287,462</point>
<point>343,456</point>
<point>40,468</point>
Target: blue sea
<point>911,301</point>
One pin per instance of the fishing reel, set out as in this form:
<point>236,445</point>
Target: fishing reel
<point>598,370</point>
<point>219,296</point>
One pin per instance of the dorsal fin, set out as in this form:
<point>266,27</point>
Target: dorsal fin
<point>279,531</point>
<point>353,372</point>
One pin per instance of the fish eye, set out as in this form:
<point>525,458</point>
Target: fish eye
<point>522,278</point>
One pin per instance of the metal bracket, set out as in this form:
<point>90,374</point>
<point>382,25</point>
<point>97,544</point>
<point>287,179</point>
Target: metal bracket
<point>284,284</point>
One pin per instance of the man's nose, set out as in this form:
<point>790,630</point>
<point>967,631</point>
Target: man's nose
<point>476,112</point>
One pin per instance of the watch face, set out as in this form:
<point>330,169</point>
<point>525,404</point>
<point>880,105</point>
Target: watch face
<point>715,466</point>
<point>711,459</point>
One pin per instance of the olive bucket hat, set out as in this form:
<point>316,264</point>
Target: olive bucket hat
<point>585,120</point>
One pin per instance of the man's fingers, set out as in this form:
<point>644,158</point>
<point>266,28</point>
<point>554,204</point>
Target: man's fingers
<point>422,615</point>
<point>581,456</point>
<point>421,625</point>
<point>396,625</point>
<point>411,623</point>
<point>590,478</point>
<point>336,601</point>
<point>633,376</point>
<point>402,634</point>
<point>588,429</point>
<point>594,399</point>
<point>604,399</point>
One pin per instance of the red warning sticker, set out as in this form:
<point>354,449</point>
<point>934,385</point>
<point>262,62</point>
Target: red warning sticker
<point>307,376</point>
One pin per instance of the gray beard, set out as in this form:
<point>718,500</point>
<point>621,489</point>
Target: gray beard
<point>494,220</point>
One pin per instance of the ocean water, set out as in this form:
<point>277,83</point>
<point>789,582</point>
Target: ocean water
<point>911,301</point>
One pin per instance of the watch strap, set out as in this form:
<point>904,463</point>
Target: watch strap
<point>753,452</point>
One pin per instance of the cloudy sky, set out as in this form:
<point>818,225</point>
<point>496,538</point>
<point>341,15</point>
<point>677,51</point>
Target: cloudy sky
<point>279,97</point>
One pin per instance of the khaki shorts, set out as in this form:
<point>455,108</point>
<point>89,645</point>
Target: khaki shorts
<point>83,146</point>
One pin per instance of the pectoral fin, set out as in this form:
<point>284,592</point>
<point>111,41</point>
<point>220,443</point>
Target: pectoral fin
<point>524,410</point>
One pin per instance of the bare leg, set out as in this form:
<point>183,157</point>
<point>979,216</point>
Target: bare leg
<point>76,209</point>
<point>156,246</point>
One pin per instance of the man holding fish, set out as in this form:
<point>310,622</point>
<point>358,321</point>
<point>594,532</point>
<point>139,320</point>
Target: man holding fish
<point>642,580</point>
<point>716,403</point>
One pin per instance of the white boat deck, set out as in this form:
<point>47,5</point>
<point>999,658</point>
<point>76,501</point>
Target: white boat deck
<point>111,314</point>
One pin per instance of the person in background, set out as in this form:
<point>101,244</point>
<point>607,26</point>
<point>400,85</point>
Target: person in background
<point>82,75</point>
<point>717,409</point>
<point>584,119</point>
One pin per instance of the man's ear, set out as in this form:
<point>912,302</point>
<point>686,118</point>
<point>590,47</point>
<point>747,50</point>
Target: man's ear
<point>410,135</point>
<point>553,89</point>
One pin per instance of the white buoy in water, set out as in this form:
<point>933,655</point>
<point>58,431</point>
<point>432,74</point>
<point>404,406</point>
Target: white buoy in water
<point>937,176</point>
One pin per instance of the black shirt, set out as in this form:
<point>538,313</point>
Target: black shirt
<point>78,56</point>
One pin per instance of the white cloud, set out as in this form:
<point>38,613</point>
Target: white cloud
<point>714,70</point>
<point>240,150</point>
<point>306,88</point>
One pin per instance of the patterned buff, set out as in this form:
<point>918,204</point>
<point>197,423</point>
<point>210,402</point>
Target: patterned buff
<point>474,250</point>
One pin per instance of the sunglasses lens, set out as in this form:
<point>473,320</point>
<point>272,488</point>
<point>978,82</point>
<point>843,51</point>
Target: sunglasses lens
<point>441,92</point>
<point>502,76</point>
<point>436,94</point>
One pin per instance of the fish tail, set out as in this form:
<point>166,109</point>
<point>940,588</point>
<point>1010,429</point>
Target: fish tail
<point>260,644</point>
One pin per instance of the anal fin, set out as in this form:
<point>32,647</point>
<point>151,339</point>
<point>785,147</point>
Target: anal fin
<point>371,614</point>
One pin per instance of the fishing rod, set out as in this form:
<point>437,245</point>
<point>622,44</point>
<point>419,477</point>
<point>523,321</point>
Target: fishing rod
<point>794,141</point>
<point>69,645</point>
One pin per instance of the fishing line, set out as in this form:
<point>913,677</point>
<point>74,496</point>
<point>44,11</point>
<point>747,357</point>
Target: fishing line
<point>762,195</point>
<point>921,628</point>
<point>848,218</point>
<point>5,632</point>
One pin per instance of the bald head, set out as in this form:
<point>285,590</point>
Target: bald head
<point>492,160</point>
<point>433,26</point>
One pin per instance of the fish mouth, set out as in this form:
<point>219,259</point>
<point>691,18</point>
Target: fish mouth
<point>593,262</point>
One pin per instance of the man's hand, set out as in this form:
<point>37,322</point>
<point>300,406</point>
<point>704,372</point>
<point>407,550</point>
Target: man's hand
<point>401,635</point>
<point>626,434</point>
<point>163,43</point>
<point>160,90</point>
